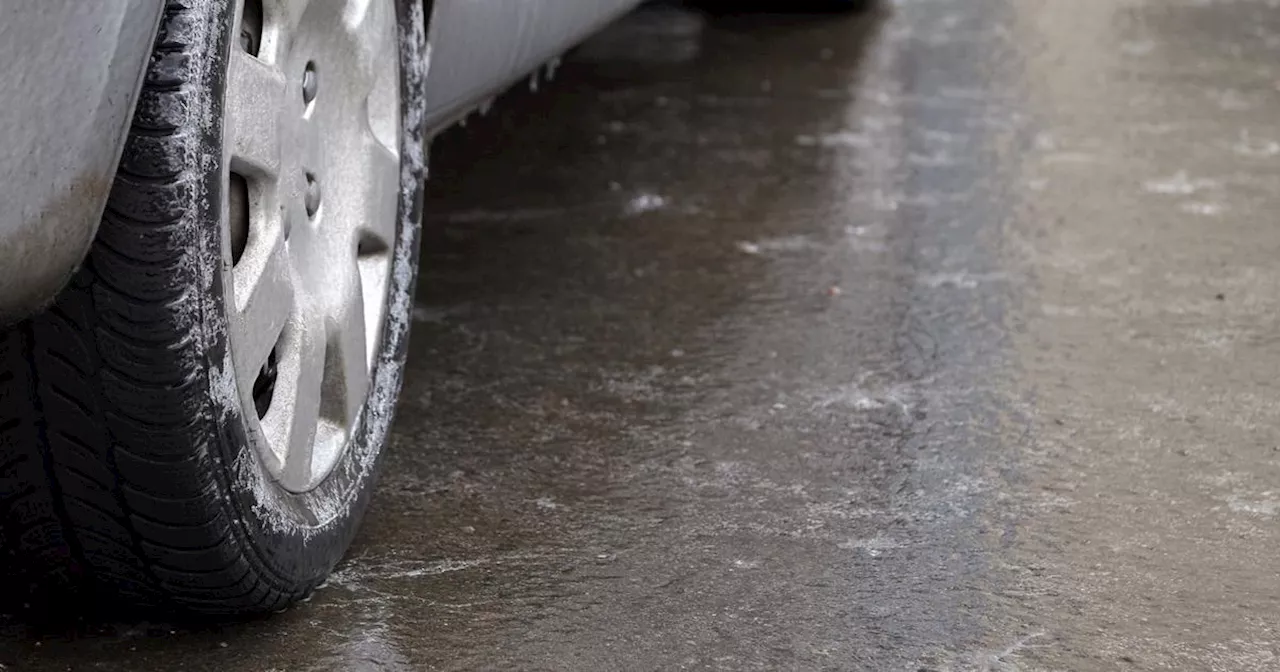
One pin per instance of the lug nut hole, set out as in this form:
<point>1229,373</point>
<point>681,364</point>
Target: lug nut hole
<point>312,196</point>
<point>310,82</point>
<point>251,27</point>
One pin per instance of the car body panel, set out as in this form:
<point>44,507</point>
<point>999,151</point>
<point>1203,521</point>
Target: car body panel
<point>480,47</point>
<point>71,73</point>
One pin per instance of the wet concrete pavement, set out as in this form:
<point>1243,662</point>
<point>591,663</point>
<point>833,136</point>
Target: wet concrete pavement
<point>941,338</point>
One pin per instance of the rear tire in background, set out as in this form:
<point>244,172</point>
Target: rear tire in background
<point>171,432</point>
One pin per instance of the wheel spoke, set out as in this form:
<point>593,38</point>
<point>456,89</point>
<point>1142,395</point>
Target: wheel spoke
<point>347,371</point>
<point>366,22</point>
<point>291,423</point>
<point>382,191</point>
<point>382,107</point>
<point>264,298</point>
<point>254,97</point>
<point>280,19</point>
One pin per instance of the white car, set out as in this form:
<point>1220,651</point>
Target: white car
<point>196,419</point>
<point>207,263</point>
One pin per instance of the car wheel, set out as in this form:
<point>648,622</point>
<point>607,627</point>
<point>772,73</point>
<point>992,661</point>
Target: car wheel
<point>196,422</point>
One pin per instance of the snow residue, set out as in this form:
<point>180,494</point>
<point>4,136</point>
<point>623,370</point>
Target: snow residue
<point>439,567</point>
<point>646,203</point>
<point>832,140</point>
<point>1266,506</point>
<point>884,202</point>
<point>959,279</point>
<point>779,244</point>
<point>547,503</point>
<point>1178,184</point>
<point>859,398</point>
<point>354,574</point>
<point>1256,147</point>
<point>1055,310</point>
<point>862,402</point>
<point>937,159</point>
<point>999,660</point>
<point>1203,208</point>
<point>1229,99</point>
<point>872,546</point>
<point>1137,47</point>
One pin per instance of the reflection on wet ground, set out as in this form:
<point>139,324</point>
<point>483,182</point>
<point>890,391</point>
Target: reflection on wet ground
<point>940,338</point>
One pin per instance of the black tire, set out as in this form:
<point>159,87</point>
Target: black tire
<point>125,473</point>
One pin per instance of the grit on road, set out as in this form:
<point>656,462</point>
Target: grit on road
<point>939,338</point>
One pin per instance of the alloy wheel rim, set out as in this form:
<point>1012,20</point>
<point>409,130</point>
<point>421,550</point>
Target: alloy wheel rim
<point>312,175</point>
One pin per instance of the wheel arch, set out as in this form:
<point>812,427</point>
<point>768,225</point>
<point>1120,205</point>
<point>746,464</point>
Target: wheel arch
<point>71,78</point>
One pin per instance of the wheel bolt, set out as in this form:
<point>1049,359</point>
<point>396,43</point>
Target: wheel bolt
<point>312,199</point>
<point>310,82</point>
